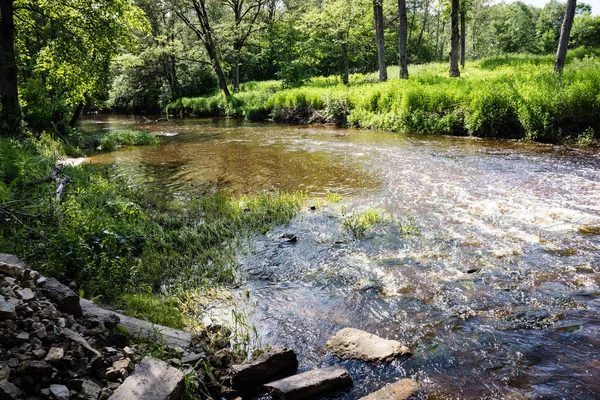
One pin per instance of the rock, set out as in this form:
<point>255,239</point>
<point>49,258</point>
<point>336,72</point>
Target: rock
<point>4,372</point>
<point>94,315</point>
<point>113,374</point>
<point>9,391</point>
<point>191,359</point>
<point>144,329</point>
<point>26,294</point>
<point>128,352</point>
<point>311,384</point>
<point>76,337</point>
<point>55,354</point>
<point>89,391</point>
<point>153,380</point>
<point>59,392</point>
<point>7,310</point>
<point>350,343</point>
<point>274,364</point>
<point>65,298</point>
<point>400,390</point>
<point>125,364</point>
<point>590,229</point>
<point>10,269</point>
<point>23,337</point>
<point>39,368</point>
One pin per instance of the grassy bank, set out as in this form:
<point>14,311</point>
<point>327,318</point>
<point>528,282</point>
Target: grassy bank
<point>505,97</point>
<point>118,240</point>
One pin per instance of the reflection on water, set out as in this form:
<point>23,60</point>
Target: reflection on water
<point>498,295</point>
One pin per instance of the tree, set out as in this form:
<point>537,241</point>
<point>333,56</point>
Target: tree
<point>454,38</point>
<point>402,36</point>
<point>204,31</point>
<point>463,33</point>
<point>565,32</point>
<point>245,14</point>
<point>10,114</point>
<point>379,36</point>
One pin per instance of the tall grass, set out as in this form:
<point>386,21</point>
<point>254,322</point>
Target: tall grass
<point>512,96</point>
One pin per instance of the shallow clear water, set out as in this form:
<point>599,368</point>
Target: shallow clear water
<point>525,325</point>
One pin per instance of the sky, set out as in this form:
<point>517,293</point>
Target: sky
<point>540,3</point>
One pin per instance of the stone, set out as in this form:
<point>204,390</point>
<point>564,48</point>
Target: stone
<point>274,364</point>
<point>23,337</point>
<point>153,380</point>
<point>59,392</point>
<point>400,390</point>
<point>144,329</point>
<point>89,391</point>
<point>113,374</point>
<point>39,368</point>
<point>26,294</point>
<point>191,359</point>
<point>4,372</point>
<point>7,310</point>
<point>350,343</point>
<point>39,353</point>
<point>311,384</point>
<point>128,352</point>
<point>55,354</point>
<point>65,298</point>
<point>76,337</point>
<point>10,269</point>
<point>9,391</point>
<point>123,364</point>
<point>94,315</point>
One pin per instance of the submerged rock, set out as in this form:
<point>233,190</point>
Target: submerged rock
<point>311,384</point>
<point>350,343</point>
<point>590,229</point>
<point>400,390</point>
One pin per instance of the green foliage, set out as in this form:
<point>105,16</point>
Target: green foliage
<point>359,223</point>
<point>510,96</point>
<point>159,310</point>
<point>81,142</point>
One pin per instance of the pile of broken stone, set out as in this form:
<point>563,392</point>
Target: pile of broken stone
<point>48,348</point>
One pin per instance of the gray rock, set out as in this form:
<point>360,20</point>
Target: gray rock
<point>23,337</point>
<point>350,343</point>
<point>65,298</point>
<point>274,364</point>
<point>59,392</point>
<point>7,310</point>
<point>10,269</point>
<point>55,354</point>
<point>89,391</point>
<point>113,374</point>
<point>126,364</point>
<point>94,315</point>
<point>13,260</point>
<point>400,390</point>
<point>4,372</point>
<point>8,391</point>
<point>76,337</point>
<point>128,352</point>
<point>153,380</point>
<point>311,384</point>
<point>191,359</point>
<point>144,329</point>
<point>26,294</point>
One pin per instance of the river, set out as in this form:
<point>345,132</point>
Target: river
<point>497,294</point>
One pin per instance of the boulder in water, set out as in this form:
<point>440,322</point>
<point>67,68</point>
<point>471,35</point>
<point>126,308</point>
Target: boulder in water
<point>350,343</point>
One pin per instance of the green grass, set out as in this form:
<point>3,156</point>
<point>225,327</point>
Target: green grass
<point>114,237</point>
<point>360,223</point>
<point>512,96</point>
<point>81,142</point>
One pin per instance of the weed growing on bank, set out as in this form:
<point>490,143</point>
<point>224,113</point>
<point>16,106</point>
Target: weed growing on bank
<point>81,142</point>
<point>515,96</point>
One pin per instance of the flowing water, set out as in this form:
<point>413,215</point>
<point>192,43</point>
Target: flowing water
<point>497,294</point>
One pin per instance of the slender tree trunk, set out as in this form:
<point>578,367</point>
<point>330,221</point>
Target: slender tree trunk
<point>403,40</point>
<point>565,32</point>
<point>214,60</point>
<point>412,19</point>
<point>437,35</point>
<point>378,13</point>
<point>425,16</point>
<point>10,115</point>
<point>463,36</point>
<point>454,39</point>
<point>345,60</point>
<point>76,114</point>
<point>236,66</point>
<point>443,42</point>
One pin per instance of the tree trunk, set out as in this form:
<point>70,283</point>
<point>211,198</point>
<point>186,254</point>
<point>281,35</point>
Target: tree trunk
<point>402,35</point>
<point>10,115</point>
<point>214,60</point>
<point>437,35</point>
<point>235,67</point>
<point>412,19</point>
<point>345,59</point>
<point>76,114</point>
<point>420,39</point>
<point>454,39</point>
<point>463,36</point>
<point>565,32</point>
<point>443,42</point>
<point>378,12</point>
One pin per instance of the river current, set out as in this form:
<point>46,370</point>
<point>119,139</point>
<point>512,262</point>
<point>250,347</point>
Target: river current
<point>497,294</point>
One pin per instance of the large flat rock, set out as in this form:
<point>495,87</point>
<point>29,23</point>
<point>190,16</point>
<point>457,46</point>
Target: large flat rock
<point>66,299</point>
<point>172,337</point>
<point>400,390</point>
<point>310,385</point>
<point>350,343</point>
<point>94,315</point>
<point>273,364</point>
<point>153,379</point>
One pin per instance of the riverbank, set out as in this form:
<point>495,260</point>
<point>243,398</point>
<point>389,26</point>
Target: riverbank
<point>516,97</point>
